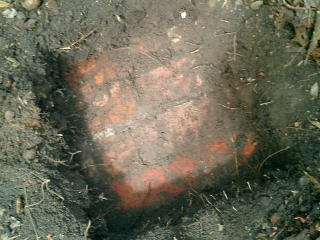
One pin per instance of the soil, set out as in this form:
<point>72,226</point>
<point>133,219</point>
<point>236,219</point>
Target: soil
<point>45,195</point>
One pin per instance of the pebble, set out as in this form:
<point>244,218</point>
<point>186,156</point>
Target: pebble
<point>304,181</point>
<point>220,228</point>
<point>14,224</point>
<point>52,5</point>
<point>256,5</point>
<point>238,3</point>
<point>30,4</point>
<point>29,154</point>
<point>9,116</point>
<point>9,13</point>
<point>314,91</point>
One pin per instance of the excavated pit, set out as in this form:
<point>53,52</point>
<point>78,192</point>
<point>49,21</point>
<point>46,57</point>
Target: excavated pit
<point>158,120</point>
<point>153,123</point>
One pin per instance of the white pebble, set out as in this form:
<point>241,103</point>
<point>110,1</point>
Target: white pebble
<point>9,13</point>
<point>9,116</point>
<point>314,91</point>
<point>30,4</point>
<point>256,5</point>
<point>183,15</point>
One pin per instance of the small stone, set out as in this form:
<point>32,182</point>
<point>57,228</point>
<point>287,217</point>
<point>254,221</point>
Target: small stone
<point>297,124</point>
<point>314,91</point>
<point>256,5</point>
<point>30,4</point>
<point>183,15</point>
<point>265,226</point>
<point>9,116</point>
<point>238,3</point>
<point>14,224</point>
<point>304,181</point>
<point>220,227</point>
<point>9,13</point>
<point>29,154</point>
<point>52,5</point>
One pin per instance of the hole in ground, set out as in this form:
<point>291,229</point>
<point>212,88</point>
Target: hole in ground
<point>155,130</point>
<point>207,145</point>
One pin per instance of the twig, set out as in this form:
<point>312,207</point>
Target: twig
<point>315,37</point>
<point>196,50</point>
<point>236,162</point>
<point>15,237</point>
<point>79,40</point>
<point>231,108</point>
<point>234,209</point>
<point>313,180</point>
<point>270,156</point>
<point>86,232</point>
<point>57,161</point>
<point>29,212</point>
<point>235,47</point>
<point>72,155</point>
<point>278,234</point>
<point>225,195</point>
<point>303,129</point>
<point>225,33</point>
<point>266,103</point>
<point>45,182</point>
<point>233,140</point>
<point>42,192</point>
<point>296,8</point>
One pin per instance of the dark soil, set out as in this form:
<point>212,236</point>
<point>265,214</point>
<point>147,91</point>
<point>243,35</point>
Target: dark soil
<point>42,192</point>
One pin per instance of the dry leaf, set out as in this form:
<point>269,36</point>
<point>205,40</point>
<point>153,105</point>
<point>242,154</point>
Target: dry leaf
<point>315,54</point>
<point>4,4</point>
<point>49,237</point>
<point>274,219</point>
<point>301,36</point>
